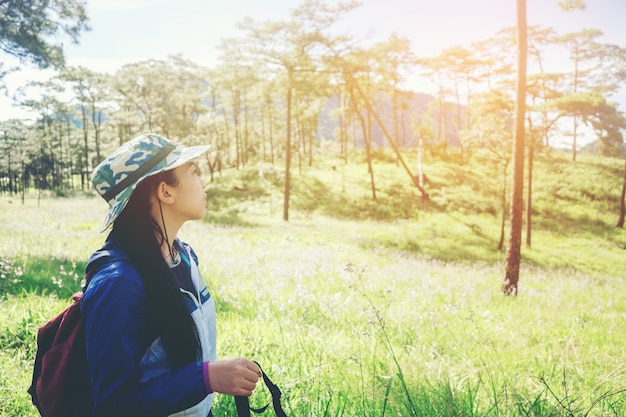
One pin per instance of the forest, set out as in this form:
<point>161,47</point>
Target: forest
<point>287,87</point>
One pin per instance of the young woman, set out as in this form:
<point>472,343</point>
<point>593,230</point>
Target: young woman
<point>149,318</point>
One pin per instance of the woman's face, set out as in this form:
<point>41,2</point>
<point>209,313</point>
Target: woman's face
<point>190,198</point>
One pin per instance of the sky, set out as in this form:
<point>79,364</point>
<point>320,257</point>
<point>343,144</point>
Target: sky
<point>125,31</point>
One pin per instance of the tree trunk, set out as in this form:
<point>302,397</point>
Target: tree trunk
<point>420,156</point>
<point>69,152</point>
<point>368,150</point>
<point>263,148</point>
<point>392,143</point>
<point>310,130</point>
<point>505,164</point>
<point>271,129</point>
<point>513,253</point>
<point>299,136</point>
<point>366,128</point>
<point>227,145</point>
<point>574,144</point>
<point>394,109</point>
<point>85,167</point>
<point>441,116</point>
<point>238,153</point>
<point>368,139</point>
<point>246,137</point>
<point>622,204</point>
<point>529,202</point>
<point>96,121</point>
<point>287,156</point>
<point>62,161</point>
<point>6,140</point>
<point>343,140</point>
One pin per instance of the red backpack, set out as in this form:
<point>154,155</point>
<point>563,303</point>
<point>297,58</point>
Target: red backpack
<point>61,385</point>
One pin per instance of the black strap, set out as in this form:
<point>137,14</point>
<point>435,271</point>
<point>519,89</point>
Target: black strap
<point>243,406</point>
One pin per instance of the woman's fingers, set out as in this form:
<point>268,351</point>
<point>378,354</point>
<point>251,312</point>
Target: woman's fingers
<point>255,368</point>
<point>236,376</point>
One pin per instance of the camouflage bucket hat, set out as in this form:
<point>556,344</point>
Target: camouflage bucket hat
<point>117,176</point>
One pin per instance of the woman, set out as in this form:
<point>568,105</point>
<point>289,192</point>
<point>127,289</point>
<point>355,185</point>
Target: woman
<point>149,318</point>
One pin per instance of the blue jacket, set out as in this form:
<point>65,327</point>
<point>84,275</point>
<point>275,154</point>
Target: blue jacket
<point>127,363</point>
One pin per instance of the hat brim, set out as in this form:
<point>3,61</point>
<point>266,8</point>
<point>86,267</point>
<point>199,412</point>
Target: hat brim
<point>178,157</point>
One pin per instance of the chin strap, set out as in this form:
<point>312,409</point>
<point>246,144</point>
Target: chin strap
<point>167,240</point>
<point>243,406</point>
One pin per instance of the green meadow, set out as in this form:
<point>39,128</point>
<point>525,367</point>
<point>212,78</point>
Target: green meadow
<point>356,307</point>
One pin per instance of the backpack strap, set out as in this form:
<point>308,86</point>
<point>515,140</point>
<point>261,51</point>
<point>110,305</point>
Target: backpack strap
<point>243,406</point>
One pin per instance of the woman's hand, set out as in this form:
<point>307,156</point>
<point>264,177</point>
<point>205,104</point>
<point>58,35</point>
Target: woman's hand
<point>237,376</point>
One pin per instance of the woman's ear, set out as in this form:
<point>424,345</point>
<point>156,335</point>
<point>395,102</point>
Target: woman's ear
<point>164,193</point>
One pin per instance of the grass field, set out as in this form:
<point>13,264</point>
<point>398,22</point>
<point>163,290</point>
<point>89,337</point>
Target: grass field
<point>357,308</point>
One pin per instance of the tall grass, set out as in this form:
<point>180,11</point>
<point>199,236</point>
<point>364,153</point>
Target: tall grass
<point>399,316</point>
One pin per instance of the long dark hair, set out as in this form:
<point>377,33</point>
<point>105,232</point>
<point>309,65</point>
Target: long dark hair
<point>141,236</point>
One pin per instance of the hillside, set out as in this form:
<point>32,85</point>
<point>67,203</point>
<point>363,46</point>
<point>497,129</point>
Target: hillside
<point>572,202</point>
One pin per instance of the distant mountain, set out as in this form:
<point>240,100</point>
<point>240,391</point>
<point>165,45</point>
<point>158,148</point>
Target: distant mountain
<point>416,104</point>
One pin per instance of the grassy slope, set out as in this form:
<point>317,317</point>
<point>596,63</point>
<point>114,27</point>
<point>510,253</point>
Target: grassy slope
<point>420,303</point>
<point>575,206</point>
